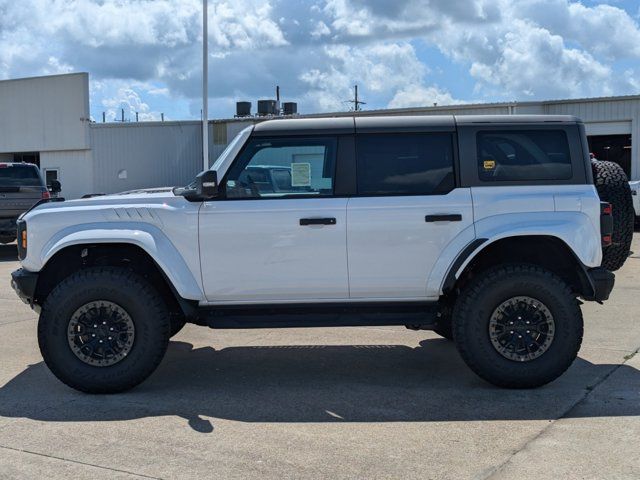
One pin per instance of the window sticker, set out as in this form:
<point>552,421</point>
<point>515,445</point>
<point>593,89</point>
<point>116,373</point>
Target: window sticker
<point>489,164</point>
<point>301,174</point>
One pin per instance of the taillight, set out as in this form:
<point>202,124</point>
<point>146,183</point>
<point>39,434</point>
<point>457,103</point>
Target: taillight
<point>606,223</point>
<point>46,195</point>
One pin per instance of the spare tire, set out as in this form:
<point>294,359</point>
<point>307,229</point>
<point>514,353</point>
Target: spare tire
<point>613,187</point>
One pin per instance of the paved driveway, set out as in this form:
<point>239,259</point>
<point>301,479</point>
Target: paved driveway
<point>326,403</point>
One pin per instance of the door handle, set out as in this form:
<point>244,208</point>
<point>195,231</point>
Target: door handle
<point>317,221</point>
<point>449,217</point>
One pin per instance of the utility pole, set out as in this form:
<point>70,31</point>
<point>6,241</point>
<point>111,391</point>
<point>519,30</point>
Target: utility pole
<point>356,102</point>
<point>205,86</point>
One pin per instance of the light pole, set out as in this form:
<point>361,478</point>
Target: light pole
<point>205,86</point>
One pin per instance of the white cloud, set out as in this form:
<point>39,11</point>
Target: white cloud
<point>419,96</point>
<point>318,49</point>
<point>380,70</point>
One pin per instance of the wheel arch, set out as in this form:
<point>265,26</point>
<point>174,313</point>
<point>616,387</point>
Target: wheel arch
<point>548,251</point>
<point>72,258</point>
<point>146,237</point>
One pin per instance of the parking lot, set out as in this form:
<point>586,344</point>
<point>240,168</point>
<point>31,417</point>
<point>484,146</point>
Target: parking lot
<point>333,403</point>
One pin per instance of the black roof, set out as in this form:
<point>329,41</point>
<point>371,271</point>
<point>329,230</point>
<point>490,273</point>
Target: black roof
<point>407,123</point>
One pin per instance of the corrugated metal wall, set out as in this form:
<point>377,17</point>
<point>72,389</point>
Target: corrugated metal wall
<point>603,111</point>
<point>145,155</point>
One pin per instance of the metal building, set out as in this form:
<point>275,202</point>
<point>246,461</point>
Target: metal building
<point>45,120</point>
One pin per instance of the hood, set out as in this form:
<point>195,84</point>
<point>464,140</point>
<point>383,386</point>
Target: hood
<point>132,197</point>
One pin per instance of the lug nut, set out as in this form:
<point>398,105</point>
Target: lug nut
<point>511,332</point>
<point>93,335</point>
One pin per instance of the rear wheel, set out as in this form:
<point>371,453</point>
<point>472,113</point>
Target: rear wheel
<point>103,330</point>
<point>518,326</point>
<point>613,187</point>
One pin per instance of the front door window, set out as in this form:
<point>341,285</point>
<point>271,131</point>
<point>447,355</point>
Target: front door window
<point>272,168</point>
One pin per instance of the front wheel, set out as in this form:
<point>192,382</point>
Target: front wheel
<point>518,326</point>
<point>103,330</point>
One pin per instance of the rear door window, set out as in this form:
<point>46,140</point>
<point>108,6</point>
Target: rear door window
<point>405,164</point>
<point>523,155</point>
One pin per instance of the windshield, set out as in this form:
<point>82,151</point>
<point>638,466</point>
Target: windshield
<point>19,175</point>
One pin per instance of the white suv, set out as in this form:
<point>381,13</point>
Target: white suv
<point>484,229</point>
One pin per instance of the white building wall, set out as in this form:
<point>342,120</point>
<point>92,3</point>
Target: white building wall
<point>44,113</point>
<point>75,171</point>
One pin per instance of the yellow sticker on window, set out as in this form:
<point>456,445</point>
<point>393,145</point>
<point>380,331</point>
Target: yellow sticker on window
<point>489,164</point>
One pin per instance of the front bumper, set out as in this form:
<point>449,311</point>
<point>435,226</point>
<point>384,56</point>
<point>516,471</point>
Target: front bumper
<point>24,283</point>
<point>602,281</point>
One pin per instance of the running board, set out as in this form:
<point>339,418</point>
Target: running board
<point>422,315</point>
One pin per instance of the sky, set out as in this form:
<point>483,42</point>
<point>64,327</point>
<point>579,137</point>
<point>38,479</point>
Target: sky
<point>145,55</point>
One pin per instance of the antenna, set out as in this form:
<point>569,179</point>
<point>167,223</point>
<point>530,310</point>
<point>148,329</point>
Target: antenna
<point>356,102</point>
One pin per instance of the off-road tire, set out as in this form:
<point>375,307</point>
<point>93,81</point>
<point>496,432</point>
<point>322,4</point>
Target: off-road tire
<point>124,288</point>
<point>7,239</point>
<point>613,187</point>
<point>177,324</point>
<point>476,304</point>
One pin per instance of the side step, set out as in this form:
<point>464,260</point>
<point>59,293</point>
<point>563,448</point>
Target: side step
<point>417,314</point>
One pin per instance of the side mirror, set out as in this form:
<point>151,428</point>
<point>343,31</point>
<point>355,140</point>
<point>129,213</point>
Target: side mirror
<point>207,184</point>
<point>56,187</point>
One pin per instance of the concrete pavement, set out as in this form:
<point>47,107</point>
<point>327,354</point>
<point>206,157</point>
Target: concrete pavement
<point>326,403</point>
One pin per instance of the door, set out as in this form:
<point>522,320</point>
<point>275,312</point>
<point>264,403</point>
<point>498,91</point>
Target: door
<point>405,214</point>
<point>279,234</point>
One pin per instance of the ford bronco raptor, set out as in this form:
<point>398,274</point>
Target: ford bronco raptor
<point>488,230</point>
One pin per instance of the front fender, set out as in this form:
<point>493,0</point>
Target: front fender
<point>148,237</point>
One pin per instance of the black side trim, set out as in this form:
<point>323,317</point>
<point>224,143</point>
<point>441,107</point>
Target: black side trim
<point>319,315</point>
<point>24,283</point>
<point>450,279</point>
